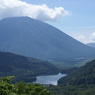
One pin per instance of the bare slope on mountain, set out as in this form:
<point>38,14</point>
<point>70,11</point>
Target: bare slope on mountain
<point>30,37</point>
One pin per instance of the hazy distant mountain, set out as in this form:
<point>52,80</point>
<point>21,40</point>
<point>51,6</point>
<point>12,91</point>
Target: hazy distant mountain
<point>30,37</point>
<point>23,68</point>
<point>91,44</point>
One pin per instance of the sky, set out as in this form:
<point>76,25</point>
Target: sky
<point>74,17</point>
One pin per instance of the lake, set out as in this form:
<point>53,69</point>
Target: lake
<point>49,79</point>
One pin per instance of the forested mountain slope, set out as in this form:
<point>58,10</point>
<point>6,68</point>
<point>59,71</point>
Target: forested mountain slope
<point>30,37</point>
<point>83,76</point>
<point>23,68</point>
<point>79,82</point>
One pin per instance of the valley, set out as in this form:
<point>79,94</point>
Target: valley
<point>49,79</point>
<point>78,82</point>
<point>68,64</point>
<point>31,49</point>
<point>24,68</point>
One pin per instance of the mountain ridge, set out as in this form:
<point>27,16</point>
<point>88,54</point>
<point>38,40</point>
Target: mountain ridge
<point>30,37</point>
<point>24,68</point>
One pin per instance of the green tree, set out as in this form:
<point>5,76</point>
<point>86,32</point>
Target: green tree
<point>6,88</point>
<point>20,88</point>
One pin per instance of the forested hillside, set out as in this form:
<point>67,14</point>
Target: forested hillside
<point>79,82</point>
<point>83,76</point>
<point>23,68</point>
<point>20,88</point>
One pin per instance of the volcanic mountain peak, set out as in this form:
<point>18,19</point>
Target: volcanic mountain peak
<point>30,37</point>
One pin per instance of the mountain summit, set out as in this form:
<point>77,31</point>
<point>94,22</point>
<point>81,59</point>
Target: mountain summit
<point>30,37</point>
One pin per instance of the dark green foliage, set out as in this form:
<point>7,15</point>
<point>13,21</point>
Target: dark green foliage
<point>6,88</point>
<point>79,82</point>
<point>23,68</point>
<point>67,71</point>
<point>72,90</point>
<point>69,64</point>
<point>83,76</point>
<point>20,88</point>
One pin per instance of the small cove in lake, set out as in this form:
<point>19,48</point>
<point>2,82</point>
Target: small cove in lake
<point>49,79</point>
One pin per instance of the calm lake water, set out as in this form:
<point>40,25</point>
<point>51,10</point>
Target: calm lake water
<point>49,79</point>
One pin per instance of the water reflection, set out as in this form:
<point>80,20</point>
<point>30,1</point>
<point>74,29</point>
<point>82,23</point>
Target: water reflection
<point>49,79</point>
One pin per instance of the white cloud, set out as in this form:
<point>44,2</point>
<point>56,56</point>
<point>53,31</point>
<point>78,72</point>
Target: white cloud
<point>81,38</point>
<point>13,8</point>
<point>92,37</point>
<point>85,39</point>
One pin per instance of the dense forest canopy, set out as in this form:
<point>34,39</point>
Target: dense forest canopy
<point>78,82</point>
<point>24,68</point>
<point>20,88</point>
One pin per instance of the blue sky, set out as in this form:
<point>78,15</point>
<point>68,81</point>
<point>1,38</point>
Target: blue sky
<point>74,17</point>
<point>80,24</point>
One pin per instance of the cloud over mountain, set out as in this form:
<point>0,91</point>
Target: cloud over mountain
<point>14,8</point>
<point>92,37</point>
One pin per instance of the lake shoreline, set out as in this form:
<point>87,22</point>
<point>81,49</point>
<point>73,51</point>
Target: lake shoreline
<point>49,79</point>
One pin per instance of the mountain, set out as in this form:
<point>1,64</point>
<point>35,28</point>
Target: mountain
<point>23,68</point>
<point>83,76</point>
<point>79,82</point>
<point>30,37</point>
<point>91,44</point>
